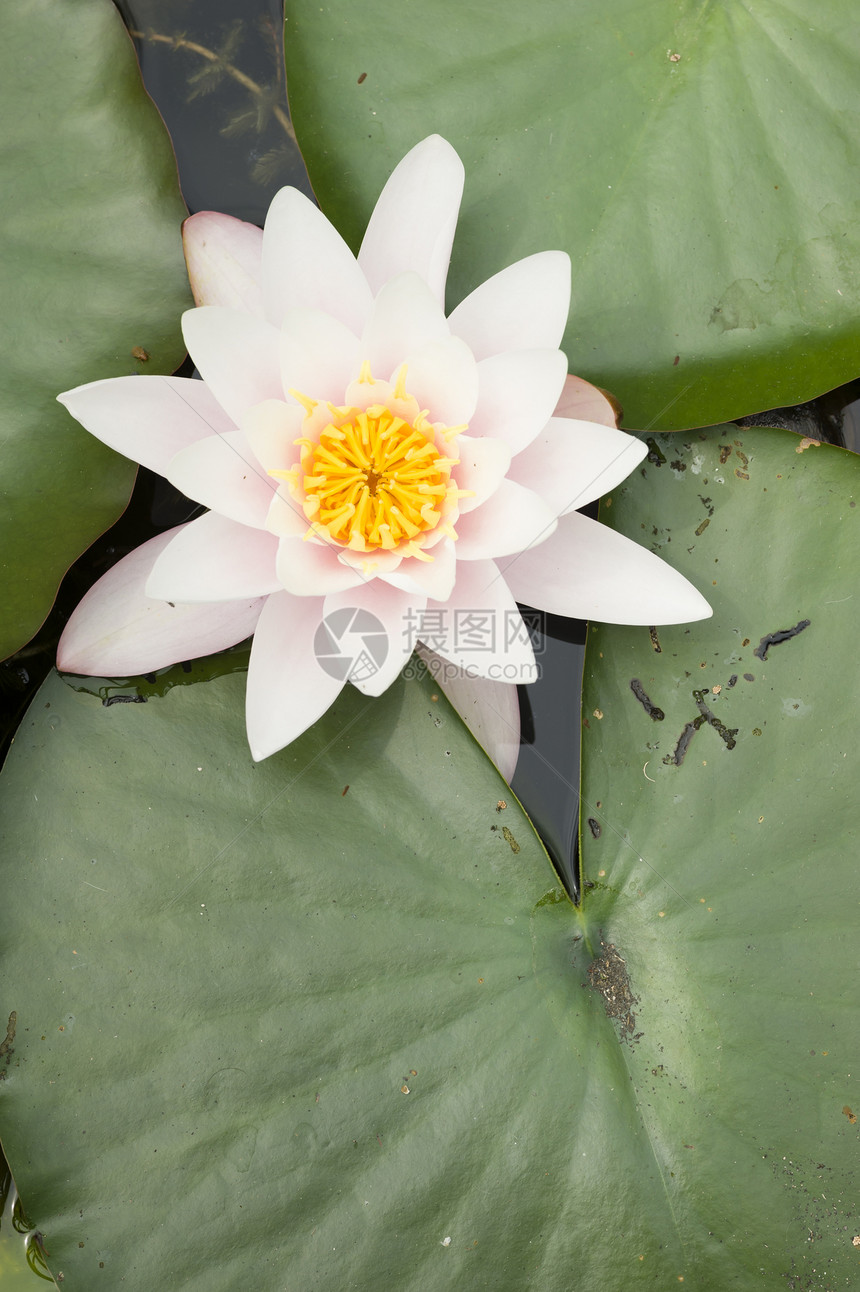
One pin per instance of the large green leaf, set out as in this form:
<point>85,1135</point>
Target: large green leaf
<point>699,162</point>
<point>91,276</point>
<point>228,976</point>
<point>719,827</point>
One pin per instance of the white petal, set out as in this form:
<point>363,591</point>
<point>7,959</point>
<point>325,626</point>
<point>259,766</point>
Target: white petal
<point>308,569</point>
<point>224,259</point>
<point>307,264</point>
<point>512,519</point>
<point>371,564</point>
<point>517,395</point>
<point>237,355</point>
<point>427,578</point>
<point>572,463</point>
<point>288,690</point>
<point>286,517</point>
<point>585,402</point>
<point>587,571</point>
<point>491,710</point>
<point>215,559</point>
<point>221,472</point>
<point>319,355</point>
<point>479,628</point>
<point>483,465</point>
<point>443,377</point>
<point>413,223</point>
<point>405,316</point>
<point>271,429</point>
<point>117,631</point>
<point>380,633</point>
<point>148,419</point>
<point>522,308</point>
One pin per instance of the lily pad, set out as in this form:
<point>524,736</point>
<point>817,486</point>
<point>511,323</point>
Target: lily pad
<point>331,1020</point>
<point>719,829</point>
<point>697,161</point>
<point>92,279</point>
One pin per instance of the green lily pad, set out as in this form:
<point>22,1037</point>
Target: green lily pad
<point>697,161</point>
<point>91,275</point>
<point>719,828</point>
<point>330,1020</point>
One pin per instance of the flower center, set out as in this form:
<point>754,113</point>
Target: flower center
<point>373,478</point>
<point>378,479</point>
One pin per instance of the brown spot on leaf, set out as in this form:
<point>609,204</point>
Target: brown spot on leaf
<point>7,1045</point>
<point>608,975</point>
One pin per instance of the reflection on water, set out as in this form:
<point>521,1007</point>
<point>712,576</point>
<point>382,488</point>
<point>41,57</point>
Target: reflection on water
<point>218,82</point>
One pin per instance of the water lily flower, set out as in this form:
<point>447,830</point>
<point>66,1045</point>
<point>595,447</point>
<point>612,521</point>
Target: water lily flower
<point>377,475</point>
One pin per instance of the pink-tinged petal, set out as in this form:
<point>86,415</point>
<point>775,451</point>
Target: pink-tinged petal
<point>587,571</point>
<point>214,559</point>
<point>479,627</point>
<point>483,466</point>
<point>237,355</point>
<point>405,316</point>
<point>491,710</point>
<point>413,223</point>
<point>221,472</point>
<point>307,569</point>
<point>512,519</point>
<point>380,636</point>
<point>427,578</point>
<point>586,403</point>
<point>224,258</point>
<point>271,429</point>
<point>148,419</point>
<point>443,377</point>
<point>288,690</point>
<point>117,631</point>
<point>572,463</point>
<point>522,308</point>
<point>319,355</point>
<point>307,264</point>
<point>517,395</point>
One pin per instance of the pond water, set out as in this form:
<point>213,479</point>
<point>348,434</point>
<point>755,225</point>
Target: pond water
<point>219,85</point>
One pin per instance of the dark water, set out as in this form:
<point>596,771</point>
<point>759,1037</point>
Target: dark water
<point>215,70</point>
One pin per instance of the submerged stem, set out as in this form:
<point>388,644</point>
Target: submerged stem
<point>179,42</point>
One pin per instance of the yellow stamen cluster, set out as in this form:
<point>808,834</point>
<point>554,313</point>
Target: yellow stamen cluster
<point>377,480</point>
<point>372,478</point>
